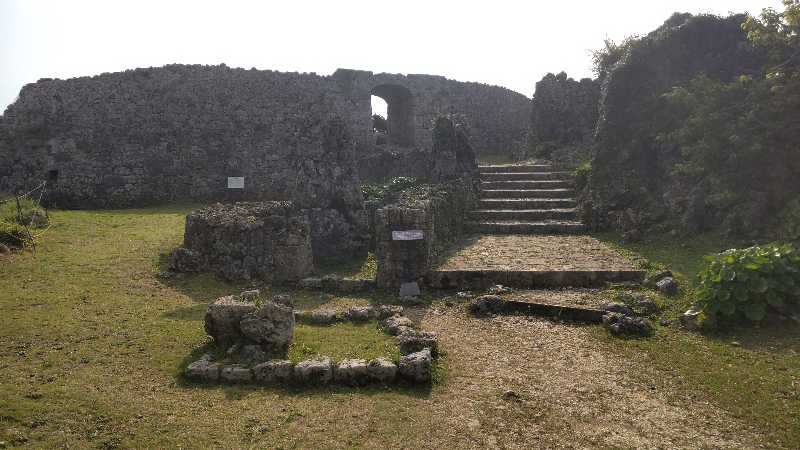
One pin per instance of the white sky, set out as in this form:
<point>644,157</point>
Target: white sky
<point>506,43</point>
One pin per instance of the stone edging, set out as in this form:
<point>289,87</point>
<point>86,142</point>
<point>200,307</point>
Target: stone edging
<point>418,350</point>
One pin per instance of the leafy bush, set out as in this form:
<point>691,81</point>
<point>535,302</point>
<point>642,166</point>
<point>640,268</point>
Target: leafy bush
<point>746,283</point>
<point>390,190</point>
<point>581,175</point>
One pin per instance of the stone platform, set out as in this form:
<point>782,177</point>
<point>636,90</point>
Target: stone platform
<point>531,261</point>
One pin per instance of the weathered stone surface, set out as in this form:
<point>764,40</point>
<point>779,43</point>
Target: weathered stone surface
<point>382,370</point>
<point>411,301</point>
<point>313,371</point>
<point>641,304</point>
<point>617,308</point>
<point>397,324</point>
<point>409,289</point>
<point>452,154</point>
<point>250,295</point>
<point>223,317</point>
<point>323,316</point>
<point>252,354</point>
<point>563,117</point>
<point>668,286</point>
<point>310,283</point>
<point>275,371</point>
<point>620,324</point>
<point>236,374</point>
<point>416,366</point>
<point>361,313</point>
<point>689,319</point>
<point>203,369</point>
<point>351,371</point>
<point>271,325</point>
<point>386,311</point>
<point>652,281</point>
<point>185,260</point>
<point>499,289</point>
<point>267,240</point>
<point>486,304</point>
<point>282,299</point>
<point>411,341</point>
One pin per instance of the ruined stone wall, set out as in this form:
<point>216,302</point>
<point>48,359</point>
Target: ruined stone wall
<point>176,133</point>
<point>266,240</point>
<point>563,118</point>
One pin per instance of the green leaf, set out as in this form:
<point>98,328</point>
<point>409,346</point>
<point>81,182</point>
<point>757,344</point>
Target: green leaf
<point>759,285</point>
<point>727,308</point>
<point>752,266</point>
<point>754,311</point>
<point>775,301</point>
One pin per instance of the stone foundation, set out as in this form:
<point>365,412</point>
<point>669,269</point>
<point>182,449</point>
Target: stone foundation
<point>269,241</point>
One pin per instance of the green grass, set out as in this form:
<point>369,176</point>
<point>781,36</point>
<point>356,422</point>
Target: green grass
<point>757,379</point>
<point>344,340</point>
<point>360,268</point>
<point>94,334</point>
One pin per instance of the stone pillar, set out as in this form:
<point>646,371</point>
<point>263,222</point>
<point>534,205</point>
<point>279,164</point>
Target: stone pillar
<point>403,260</point>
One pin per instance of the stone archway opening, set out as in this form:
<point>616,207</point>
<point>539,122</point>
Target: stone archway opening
<point>399,113</point>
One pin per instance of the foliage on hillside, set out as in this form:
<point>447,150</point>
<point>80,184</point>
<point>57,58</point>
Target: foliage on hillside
<point>698,127</point>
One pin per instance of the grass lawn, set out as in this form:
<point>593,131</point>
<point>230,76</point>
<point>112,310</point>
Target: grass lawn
<point>94,333</point>
<point>752,372</point>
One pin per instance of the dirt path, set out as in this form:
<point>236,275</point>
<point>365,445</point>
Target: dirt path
<point>573,393</point>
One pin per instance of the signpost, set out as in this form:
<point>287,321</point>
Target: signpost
<point>235,182</point>
<point>407,235</point>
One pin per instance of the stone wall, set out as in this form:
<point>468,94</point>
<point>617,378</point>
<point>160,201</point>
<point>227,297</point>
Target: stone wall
<point>563,118</point>
<point>269,241</point>
<point>176,133</point>
<point>440,212</point>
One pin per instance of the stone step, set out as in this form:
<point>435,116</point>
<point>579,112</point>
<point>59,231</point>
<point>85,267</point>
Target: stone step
<point>525,203</point>
<point>481,279</point>
<point>489,215</point>
<point>551,226</point>
<point>528,193</point>
<point>525,185</point>
<point>508,169</point>
<point>524,176</point>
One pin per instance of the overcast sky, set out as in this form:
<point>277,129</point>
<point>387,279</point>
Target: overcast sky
<point>505,43</point>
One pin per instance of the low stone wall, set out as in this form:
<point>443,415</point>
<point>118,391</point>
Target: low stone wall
<point>268,240</point>
<point>439,212</point>
<point>247,331</point>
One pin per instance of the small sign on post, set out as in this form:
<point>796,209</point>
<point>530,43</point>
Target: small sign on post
<point>235,182</point>
<point>407,235</point>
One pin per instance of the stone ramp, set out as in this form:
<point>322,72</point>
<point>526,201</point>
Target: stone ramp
<point>531,261</point>
<point>526,199</point>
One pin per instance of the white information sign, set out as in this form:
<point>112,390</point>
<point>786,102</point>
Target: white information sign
<point>235,182</point>
<point>408,235</point>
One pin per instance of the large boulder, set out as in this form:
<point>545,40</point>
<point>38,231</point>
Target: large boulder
<point>411,342</point>
<point>381,370</point>
<point>223,317</point>
<point>271,325</point>
<point>416,366</point>
<point>351,371</point>
<point>275,371</point>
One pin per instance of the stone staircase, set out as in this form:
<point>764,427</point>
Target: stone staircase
<point>531,199</point>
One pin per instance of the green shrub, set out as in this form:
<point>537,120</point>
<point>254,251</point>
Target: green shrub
<point>581,175</point>
<point>390,190</point>
<point>746,283</point>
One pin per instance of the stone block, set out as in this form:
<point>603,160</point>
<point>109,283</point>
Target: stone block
<point>271,325</point>
<point>236,374</point>
<point>323,316</point>
<point>411,341</point>
<point>351,371</point>
<point>416,366</point>
<point>361,313</point>
<point>397,324</point>
<point>386,311</point>
<point>203,369</point>
<point>313,371</point>
<point>275,371</point>
<point>409,289</point>
<point>222,319</point>
<point>381,370</point>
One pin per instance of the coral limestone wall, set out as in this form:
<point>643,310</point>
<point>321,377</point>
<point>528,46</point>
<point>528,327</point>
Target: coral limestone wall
<point>176,133</point>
